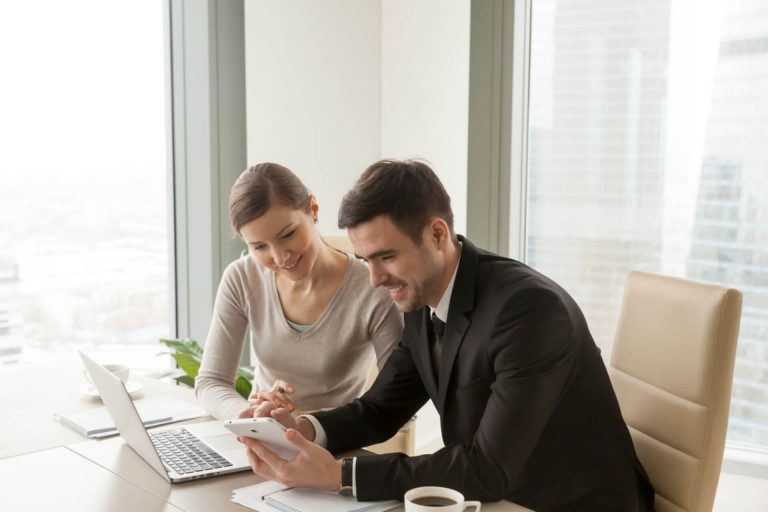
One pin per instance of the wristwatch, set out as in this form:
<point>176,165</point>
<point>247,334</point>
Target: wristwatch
<point>346,476</point>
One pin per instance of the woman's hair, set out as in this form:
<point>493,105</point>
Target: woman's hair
<point>262,186</point>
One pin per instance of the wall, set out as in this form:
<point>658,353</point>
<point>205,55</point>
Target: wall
<point>313,92</point>
<point>333,86</point>
<point>425,89</point>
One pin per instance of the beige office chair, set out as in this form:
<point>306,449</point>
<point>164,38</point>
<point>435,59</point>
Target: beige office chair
<point>341,243</point>
<point>672,369</point>
<point>404,440</point>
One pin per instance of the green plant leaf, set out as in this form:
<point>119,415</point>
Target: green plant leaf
<point>245,372</point>
<point>187,346</point>
<point>188,354</point>
<point>243,386</point>
<point>186,380</point>
<point>187,362</point>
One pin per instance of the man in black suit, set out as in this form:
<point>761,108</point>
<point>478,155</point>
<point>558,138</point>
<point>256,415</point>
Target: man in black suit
<point>527,410</point>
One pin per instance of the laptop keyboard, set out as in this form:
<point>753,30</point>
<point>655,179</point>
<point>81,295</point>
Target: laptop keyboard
<point>185,453</point>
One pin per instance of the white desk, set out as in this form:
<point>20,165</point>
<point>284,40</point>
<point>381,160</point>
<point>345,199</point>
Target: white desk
<point>61,480</point>
<point>31,395</point>
<point>46,466</point>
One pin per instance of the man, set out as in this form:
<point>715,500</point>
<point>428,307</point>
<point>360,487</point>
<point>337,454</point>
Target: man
<point>527,410</point>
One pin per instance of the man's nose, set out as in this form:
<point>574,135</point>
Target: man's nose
<point>378,276</point>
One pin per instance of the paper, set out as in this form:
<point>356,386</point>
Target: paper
<point>157,410</point>
<point>273,496</point>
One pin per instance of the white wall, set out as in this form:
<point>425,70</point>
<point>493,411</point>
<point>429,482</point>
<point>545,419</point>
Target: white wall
<point>313,92</point>
<point>425,89</point>
<point>333,86</point>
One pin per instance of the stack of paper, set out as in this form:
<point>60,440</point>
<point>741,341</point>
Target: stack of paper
<point>273,496</point>
<point>157,410</point>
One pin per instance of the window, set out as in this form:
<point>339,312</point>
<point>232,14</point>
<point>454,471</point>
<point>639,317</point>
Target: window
<point>647,134</point>
<point>84,258</point>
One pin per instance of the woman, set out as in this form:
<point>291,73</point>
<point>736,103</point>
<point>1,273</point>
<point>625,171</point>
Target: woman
<point>314,320</point>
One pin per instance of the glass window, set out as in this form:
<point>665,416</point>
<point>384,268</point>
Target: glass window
<point>647,150</point>
<point>83,193</point>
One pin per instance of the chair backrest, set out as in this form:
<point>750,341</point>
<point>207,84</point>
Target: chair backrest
<point>341,243</point>
<point>672,369</point>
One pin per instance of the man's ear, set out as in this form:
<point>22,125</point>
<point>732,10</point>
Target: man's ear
<point>439,232</point>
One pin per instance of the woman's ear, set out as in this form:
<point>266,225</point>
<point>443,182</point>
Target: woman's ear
<point>313,207</point>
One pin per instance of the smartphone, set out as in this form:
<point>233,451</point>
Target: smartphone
<point>267,431</point>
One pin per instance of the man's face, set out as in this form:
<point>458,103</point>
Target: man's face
<point>411,273</point>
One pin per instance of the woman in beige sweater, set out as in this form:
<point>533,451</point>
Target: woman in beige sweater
<point>315,323</point>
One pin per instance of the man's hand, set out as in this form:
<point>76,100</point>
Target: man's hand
<point>313,467</point>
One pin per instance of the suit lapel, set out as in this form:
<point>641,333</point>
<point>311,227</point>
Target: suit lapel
<point>462,303</point>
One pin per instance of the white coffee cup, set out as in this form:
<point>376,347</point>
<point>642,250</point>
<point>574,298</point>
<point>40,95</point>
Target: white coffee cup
<point>118,370</point>
<point>437,499</point>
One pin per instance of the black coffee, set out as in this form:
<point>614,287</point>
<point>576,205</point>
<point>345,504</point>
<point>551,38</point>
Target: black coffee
<point>433,501</point>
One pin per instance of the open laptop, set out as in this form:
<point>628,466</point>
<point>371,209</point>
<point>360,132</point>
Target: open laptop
<point>178,453</point>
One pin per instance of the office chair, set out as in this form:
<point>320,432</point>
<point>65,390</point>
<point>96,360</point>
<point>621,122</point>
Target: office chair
<point>672,369</point>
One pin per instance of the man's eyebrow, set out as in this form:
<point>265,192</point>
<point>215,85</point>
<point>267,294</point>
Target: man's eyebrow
<point>377,254</point>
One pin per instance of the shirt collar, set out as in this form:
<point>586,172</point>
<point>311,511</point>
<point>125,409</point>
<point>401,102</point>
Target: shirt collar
<point>441,311</point>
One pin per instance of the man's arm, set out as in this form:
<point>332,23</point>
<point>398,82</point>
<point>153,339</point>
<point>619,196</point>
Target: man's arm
<point>395,396</point>
<point>533,357</point>
<point>393,399</point>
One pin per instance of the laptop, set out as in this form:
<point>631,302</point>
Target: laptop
<point>178,454</point>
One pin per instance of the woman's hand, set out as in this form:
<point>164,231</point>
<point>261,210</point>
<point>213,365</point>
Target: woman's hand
<point>277,396</point>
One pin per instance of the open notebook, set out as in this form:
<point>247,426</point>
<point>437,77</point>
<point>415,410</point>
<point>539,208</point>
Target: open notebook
<point>271,496</point>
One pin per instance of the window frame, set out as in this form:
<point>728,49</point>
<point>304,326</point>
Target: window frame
<point>205,101</point>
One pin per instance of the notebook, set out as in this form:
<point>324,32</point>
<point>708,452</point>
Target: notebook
<point>271,496</point>
<point>157,410</point>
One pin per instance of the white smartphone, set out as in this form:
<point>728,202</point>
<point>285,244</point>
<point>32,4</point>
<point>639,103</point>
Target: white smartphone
<point>267,431</point>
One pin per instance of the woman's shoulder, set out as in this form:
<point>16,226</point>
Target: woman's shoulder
<point>360,284</point>
<point>244,270</point>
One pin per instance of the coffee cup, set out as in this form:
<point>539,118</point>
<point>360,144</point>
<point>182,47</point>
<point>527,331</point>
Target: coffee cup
<point>437,499</point>
<point>118,370</point>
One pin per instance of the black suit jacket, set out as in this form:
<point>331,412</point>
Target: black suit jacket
<point>526,407</point>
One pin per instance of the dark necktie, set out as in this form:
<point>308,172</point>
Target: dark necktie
<point>438,329</point>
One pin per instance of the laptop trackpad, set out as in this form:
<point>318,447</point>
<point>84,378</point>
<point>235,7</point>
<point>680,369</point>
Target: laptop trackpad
<point>224,443</point>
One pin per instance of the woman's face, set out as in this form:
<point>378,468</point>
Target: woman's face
<point>283,240</point>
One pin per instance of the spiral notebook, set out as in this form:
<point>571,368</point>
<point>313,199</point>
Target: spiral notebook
<point>272,496</point>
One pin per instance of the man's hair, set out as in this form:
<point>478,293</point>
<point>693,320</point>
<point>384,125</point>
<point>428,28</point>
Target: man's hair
<point>406,191</point>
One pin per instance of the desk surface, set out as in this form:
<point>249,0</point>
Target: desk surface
<point>61,480</point>
<point>35,393</point>
<point>53,468</point>
<point>200,495</point>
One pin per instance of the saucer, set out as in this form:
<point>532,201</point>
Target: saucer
<point>131,386</point>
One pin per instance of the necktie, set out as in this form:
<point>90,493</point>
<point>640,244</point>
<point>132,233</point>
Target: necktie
<point>438,329</point>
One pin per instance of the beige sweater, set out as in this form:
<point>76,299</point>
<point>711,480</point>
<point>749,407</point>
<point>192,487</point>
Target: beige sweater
<point>327,364</point>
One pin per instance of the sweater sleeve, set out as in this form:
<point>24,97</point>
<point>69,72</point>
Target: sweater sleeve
<point>214,385</point>
<point>387,334</point>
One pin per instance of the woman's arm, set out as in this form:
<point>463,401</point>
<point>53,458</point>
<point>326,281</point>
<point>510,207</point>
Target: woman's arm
<point>387,334</point>
<point>214,385</point>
